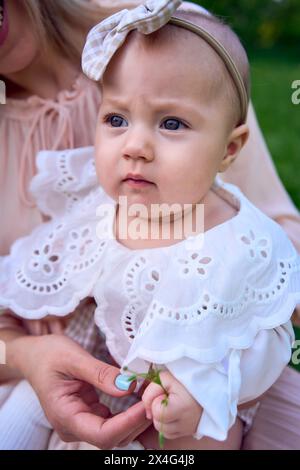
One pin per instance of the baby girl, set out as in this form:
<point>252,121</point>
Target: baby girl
<point>207,307</point>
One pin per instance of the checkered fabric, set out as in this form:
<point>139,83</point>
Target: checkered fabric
<point>82,329</point>
<point>106,38</point>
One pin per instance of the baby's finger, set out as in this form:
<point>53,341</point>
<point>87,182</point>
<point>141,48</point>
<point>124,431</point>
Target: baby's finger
<point>170,431</point>
<point>152,392</point>
<point>56,326</point>
<point>34,327</point>
<point>169,411</point>
<point>44,328</point>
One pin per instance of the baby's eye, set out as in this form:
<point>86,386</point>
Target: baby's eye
<point>116,121</point>
<point>173,124</point>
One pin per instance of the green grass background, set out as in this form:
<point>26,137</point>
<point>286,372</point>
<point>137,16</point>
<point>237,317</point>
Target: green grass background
<point>273,72</point>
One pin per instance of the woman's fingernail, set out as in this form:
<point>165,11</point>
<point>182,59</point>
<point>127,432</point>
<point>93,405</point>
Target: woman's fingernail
<point>122,382</point>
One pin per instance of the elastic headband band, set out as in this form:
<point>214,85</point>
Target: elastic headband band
<point>225,56</point>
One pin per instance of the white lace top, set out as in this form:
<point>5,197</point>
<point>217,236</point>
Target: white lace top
<point>199,309</point>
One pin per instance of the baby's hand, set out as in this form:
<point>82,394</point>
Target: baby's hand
<point>180,417</point>
<point>46,326</point>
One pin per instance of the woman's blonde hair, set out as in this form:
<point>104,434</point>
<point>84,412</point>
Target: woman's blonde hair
<point>64,24</point>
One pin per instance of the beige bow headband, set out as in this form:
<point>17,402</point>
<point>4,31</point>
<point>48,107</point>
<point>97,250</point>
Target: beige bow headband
<point>108,36</point>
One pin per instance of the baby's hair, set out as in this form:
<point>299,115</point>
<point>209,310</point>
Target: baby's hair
<point>220,82</point>
<point>64,24</point>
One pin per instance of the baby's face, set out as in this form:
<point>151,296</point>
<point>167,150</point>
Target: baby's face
<point>159,138</point>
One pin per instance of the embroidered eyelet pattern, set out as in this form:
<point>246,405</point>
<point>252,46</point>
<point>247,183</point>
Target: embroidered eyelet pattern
<point>194,264</point>
<point>64,169</point>
<point>137,303</point>
<point>88,250</point>
<point>128,321</point>
<point>67,179</point>
<point>131,277</point>
<point>210,305</point>
<point>151,285</point>
<point>183,315</point>
<point>80,242</point>
<point>45,261</point>
<point>257,247</point>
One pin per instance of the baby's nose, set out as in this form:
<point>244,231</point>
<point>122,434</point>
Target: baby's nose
<point>139,145</point>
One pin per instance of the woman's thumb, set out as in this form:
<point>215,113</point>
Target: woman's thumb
<point>105,377</point>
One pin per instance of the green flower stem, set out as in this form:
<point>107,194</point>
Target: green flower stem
<point>153,375</point>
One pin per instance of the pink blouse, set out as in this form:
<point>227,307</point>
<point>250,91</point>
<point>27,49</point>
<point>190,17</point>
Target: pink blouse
<point>30,125</point>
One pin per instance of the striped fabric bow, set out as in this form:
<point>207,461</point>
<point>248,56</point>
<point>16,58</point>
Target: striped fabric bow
<point>107,37</point>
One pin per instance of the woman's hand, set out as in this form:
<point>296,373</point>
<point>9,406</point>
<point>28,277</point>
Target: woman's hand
<point>64,376</point>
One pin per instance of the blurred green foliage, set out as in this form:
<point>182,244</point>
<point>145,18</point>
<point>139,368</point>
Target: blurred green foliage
<point>272,75</point>
<point>260,23</point>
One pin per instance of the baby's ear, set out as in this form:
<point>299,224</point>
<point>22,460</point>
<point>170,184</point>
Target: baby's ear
<point>236,141</point>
